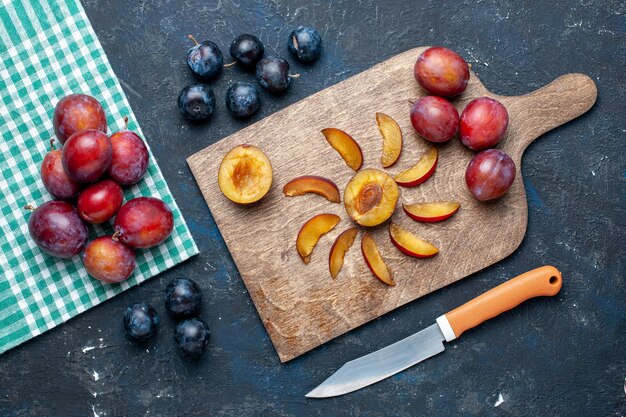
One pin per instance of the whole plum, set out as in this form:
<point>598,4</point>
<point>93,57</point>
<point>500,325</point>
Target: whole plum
<point>78,112</point>
<point>490,174</point>
<point>57,229</point>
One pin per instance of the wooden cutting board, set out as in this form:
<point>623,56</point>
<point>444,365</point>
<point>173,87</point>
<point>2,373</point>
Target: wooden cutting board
<point>301,305</point>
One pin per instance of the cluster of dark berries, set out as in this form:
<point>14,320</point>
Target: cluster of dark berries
<point>183,300</point>
<point>205,60</point>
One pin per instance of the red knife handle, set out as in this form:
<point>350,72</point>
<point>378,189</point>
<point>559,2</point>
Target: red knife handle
<point>543,281</point>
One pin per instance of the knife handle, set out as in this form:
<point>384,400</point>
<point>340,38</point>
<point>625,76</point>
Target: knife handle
<point>543,281</point>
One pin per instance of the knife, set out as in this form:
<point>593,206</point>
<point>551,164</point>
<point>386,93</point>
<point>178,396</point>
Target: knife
<point>376,366</point>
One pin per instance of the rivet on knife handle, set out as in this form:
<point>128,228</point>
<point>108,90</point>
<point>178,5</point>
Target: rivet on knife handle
<point>544,281</point>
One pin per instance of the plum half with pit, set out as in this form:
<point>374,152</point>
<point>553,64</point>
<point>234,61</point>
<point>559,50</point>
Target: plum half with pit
<point>129,160</point>
<point>370,197</point>
<point>490,174</point>
<point>435,119</point>
<point>100,201</point>
<point>57,229</point>
<point>108,260</point>
<point>87,155</point>
<point>54,177</point>
<point>78,112</point>
<point>483,123</point>
<point>143,222</point>
<point>441,72</point>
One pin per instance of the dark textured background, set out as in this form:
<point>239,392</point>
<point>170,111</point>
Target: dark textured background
<point>563,356</point>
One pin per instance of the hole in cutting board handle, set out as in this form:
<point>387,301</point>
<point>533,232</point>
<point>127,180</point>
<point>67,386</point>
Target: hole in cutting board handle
<point>553,280</point>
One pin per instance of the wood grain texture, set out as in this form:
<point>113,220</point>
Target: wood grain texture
<point>301,305</point>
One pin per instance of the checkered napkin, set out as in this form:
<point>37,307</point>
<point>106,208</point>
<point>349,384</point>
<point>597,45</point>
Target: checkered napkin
<point>48,49</point>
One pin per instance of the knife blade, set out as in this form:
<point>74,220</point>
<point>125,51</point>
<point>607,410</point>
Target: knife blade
<point>383,363</point>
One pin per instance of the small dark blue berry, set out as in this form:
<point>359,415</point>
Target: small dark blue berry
<point>183,297</point>
<point>242,99</point>
<point>205,60</point>
<point>305,44</point>
<point>196,102</point>
<point>141,321</point>
<point>273,74</point>
<point>192,336</point>
<point>247,50</point>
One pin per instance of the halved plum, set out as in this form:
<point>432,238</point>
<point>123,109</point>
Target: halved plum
<point>245,174</point>
<point>311,232</point>
<point>370,197</point>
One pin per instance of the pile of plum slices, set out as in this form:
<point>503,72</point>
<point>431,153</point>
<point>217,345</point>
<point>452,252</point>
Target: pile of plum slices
<point>196,101</point>
<point>86,178</point>
<point>371,196</point>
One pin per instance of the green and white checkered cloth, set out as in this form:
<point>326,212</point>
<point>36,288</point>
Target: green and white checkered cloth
<point>48,49</point>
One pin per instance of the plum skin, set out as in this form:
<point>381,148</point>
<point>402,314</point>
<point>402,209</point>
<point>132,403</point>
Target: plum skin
<point>143,222</point>
<point>141,322</point>
<point>100,201</point>
<point>55,179</point>
<point>435,119</point>
<point>192,336</point>
<point>305,44</point>
<point>441,72</point>
<point>484,122</point>
<point>247,50</point>
<point>78,112</point>
<point>183,297</point>
<point>57,229</point>
<point>87,155</point>
<point>196,102</point>
<point>490,174</point>
<point>242,99</point>
<point>272,73</point>
<point>129,159</point>
<point>205,60</point>
<point>108,260</point>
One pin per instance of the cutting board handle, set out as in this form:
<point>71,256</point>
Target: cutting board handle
<point>543,281</point>
<point>564,99</point>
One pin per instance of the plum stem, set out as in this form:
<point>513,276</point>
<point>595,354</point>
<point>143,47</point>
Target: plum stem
<point>52,147</point>
<point>411,101</point>
<point>190,37</point>
<point>125,122</point>
<point>30,207</point>
<point>294,75</point>
<point>116,236</point>
<point>230,64</point>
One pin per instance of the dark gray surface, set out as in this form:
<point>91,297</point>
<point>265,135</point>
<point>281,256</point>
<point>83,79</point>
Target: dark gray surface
<point>552,357</point>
